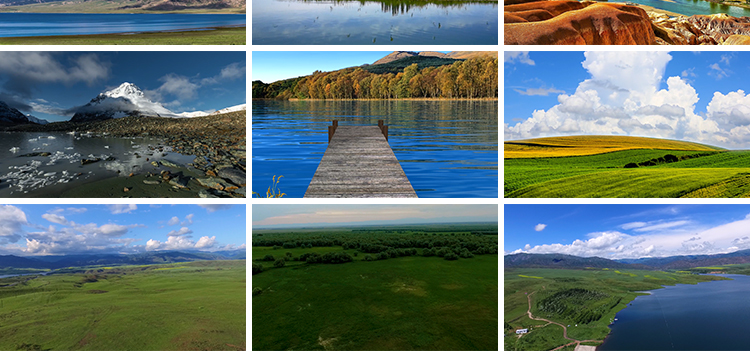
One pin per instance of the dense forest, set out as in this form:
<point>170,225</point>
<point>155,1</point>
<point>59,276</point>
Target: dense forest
<point>466,79</point>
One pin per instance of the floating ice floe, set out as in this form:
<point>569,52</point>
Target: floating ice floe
<point>15,149</point>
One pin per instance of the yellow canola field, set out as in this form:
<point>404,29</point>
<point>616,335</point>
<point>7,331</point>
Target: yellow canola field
<point>589,145</point>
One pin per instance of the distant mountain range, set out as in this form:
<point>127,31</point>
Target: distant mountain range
<point>124,100</point>
<point>124,5</point>
<point>161,257</point>
<point>563,261</point>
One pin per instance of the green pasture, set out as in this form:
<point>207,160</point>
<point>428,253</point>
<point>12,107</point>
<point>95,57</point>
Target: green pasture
<point>405,303</point>
<point>186,306</point>
<point>587,300</point>
<point>217,36</point>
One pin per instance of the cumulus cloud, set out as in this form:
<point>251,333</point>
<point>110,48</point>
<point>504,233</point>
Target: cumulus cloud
<point>542,91</point>
<point>518,57</point>
<point>174,220</point>
<point>540,227</point>
<point>205,242</point>
<point>186,88</point>
<point>55,218</point>
<point>214,208</point>
<point>118,209</point>
<point>623,96</point>
<point>77,238</point>
<point>12,221</point>
<point>181,242</point>
<point>180,232</point>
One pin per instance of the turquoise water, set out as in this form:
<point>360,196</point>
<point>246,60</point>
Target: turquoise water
<point>373,22</point>
<point>695,7</point>
<point>26,25</point>
<point>446,148</point>
<point>707,316</point>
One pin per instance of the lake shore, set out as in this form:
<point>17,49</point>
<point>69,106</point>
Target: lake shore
<point>217,142</point>
<point>234,35</point>
<point>408,99</point>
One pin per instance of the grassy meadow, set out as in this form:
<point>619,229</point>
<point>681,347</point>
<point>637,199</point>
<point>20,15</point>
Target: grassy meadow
<point>180,306</point>
<point>615,166</point>
<point>411,301</point>
<point>215,36</point>
<point>587,300</point>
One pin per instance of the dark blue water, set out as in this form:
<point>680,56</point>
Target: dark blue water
<point>374,22</point>
<point>446,148</point>
<point>695,7</point>
<point>708,316</point>
<point>25,25</point>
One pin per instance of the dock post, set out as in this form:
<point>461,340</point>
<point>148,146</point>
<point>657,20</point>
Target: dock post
<point>384,129</point>
<point>332,129</point>
<point>380,124</point>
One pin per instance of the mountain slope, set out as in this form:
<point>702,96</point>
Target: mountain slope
<point>160,257</point>
<point>9,115</point>
<point>563,261</point>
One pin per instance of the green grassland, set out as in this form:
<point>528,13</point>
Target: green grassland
<point>407,303</point>
<point>181,306</point>
<point>420,287</point>
<point>650,172</point>
<point>215,36</point>
<point>738,269</point>
<point>586,300</point>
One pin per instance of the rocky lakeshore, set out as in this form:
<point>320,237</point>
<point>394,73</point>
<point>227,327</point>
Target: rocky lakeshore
<point>218,143</point>
<point>529,22</point>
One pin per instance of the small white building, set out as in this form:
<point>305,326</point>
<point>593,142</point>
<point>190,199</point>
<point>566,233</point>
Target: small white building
<point>522,331</point>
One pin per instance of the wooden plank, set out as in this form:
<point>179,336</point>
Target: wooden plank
<point>359,163</point>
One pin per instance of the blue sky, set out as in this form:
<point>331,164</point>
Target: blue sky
<point>278,216</point>
<point>626,231</point>
<point>79,229</point>
<point>272,66</point>
<point>50,85</point>
<point>695,96</point>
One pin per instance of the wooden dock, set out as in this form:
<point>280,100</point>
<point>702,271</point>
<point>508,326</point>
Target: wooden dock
<point>359,163</point>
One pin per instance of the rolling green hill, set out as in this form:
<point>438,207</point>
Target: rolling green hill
<point>612,166</point>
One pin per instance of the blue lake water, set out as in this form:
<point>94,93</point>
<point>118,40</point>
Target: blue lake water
<point>29,24</point>
<point>695,7</point>
<point>286,22</point>
<point>708,316</point>
<point>446,148</point>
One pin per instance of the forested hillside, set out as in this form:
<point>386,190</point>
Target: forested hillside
<point>472,78</point>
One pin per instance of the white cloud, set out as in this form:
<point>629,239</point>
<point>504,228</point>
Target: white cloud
<point>214,208</point>
<point>540,227</point>
<point>188,220</point>
<point>181,231</point>
<point>182,242</point>
<point>77,238</point>
<point>12,221</point>
<point>205,242</point>
<point>55,218</point>
<point>518,57</point>
<point>632,225</point>
<point>623,96</point>
<point>118,209</point>
<point>172,221</point>
<point>542,91</point>
<point>45,68</point>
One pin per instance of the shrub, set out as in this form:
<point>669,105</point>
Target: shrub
<point>631,165</point>
<point>268,258</point>
<point>279,263</point>
<point>670,158</point>
<point>428,252</point>
<point>450,256</point>
<point>288,254</point>
<point>355,253</point>
<point>466,254</point>
<point>257,291</point>
<point>289,245</point>
<point>275,247</point>
<point>368,257</point>
<point>257,268</point>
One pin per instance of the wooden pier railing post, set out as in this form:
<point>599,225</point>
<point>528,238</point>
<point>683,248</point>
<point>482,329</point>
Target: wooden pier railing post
<point>332,129</point>
<point>383,128</point>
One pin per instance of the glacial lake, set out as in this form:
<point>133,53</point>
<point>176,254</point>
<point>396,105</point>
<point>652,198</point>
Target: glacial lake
<point>391,22</point>
<point>707,316</point>
<point>46,164</point>
<point>446,148</point>
<point>32,24</point>
<point>695,7</point>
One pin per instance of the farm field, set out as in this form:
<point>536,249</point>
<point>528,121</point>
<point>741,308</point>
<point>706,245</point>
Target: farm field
<point>180,306</point>
<point>586,300</point>
<point>615,166</point>
<point>400,289</point>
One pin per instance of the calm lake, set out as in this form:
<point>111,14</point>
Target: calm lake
<point>707,316</point>
<point>45,164</point>
<point>695,7</point>
<point>25,25</point>
<point>374,22</point>
<point>446,148</point>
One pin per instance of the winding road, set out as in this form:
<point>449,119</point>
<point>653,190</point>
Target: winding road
<point>565,329</point>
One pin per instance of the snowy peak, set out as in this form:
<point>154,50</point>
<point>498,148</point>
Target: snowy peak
<point>126,90</point>
<point>241,107</point>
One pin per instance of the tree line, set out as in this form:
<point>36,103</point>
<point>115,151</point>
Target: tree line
<point>468,79</point>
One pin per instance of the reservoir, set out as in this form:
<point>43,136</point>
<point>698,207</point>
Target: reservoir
<point>32,24</point>
<point>704,317</point>
<point>447,148</point>
<point>399,22</point>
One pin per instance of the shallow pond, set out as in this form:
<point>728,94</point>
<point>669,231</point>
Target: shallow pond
<point>446,148</point>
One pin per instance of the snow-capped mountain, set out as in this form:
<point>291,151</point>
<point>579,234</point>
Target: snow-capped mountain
<point>128,100</point>
<point>242,107</point>
<point>36,120</point>
<point>124,100</point>
<point>11,115</point>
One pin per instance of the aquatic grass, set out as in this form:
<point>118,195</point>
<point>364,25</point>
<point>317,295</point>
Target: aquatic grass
<point>273,191</point>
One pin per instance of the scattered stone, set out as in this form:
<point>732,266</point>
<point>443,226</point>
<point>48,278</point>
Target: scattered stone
<point>151,182</point>
<point>236,176</point>
<point>37,154</point>
<point>168,163</point>
<point>89,161</point>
